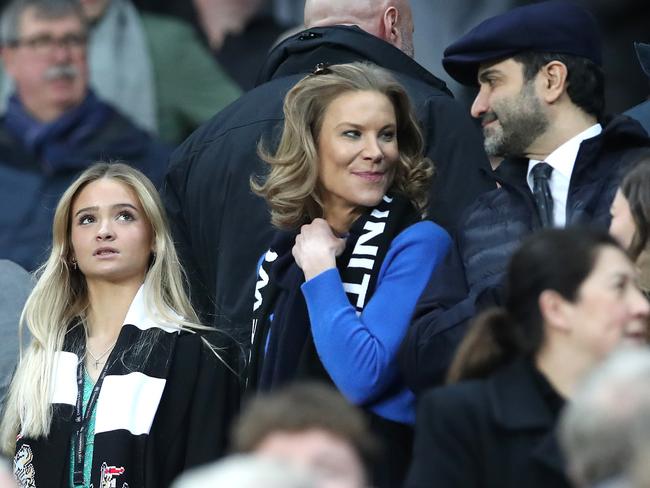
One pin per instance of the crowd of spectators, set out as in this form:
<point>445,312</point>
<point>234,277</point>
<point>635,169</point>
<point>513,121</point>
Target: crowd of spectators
<point>267,233</point>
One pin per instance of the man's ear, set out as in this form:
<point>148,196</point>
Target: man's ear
<point>553,81</point>
<point>390,21</point>
<point>554,309</point>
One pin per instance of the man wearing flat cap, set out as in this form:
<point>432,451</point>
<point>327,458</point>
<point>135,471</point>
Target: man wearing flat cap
<point>540,103</point>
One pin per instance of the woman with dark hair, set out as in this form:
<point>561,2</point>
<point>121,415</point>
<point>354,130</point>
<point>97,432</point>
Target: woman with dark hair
<point>571,298</point>
<point>631,217</point>
<point>346,188</point>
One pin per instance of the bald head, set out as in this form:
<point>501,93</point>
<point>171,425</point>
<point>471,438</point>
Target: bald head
<point>390,20</point>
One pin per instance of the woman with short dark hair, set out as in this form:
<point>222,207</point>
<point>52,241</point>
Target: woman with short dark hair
<point>571,298</point>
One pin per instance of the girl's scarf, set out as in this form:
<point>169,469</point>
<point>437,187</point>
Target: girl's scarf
<point>282,343</point>
<point>136,373</point>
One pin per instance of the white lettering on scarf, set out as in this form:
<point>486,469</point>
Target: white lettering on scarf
<point>369,251</point>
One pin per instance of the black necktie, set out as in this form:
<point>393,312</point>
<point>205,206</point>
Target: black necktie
<point>542,192</point>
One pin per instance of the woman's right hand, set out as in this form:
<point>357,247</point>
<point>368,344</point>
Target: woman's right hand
<point>316,248</point>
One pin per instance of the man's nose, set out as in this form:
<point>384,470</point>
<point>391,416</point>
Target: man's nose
<point>480,105</point>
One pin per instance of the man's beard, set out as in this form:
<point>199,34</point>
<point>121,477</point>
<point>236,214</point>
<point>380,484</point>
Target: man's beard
<point>520,121</point>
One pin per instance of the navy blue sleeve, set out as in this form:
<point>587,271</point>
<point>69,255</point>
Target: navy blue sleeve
<point>439,323</point>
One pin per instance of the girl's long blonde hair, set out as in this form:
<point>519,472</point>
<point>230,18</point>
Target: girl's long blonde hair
<point>60,299</point>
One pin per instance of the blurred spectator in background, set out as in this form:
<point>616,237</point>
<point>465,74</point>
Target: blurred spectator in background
<point>631,218</point>
<point>153,68</point>
<point>54,126</point>
<point>311,426</point>
<point>241,33</point>
<point>243,471</point>
<point>602,430</point>
<point>15,285</point>
<point>641,112</point>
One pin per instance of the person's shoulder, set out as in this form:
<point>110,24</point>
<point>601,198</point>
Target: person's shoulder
<point>210,346</point>
<point>425,231</point>
<point>12,272</point>
<point>462,398</point>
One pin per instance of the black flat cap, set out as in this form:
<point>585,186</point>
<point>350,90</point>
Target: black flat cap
<point>643,53</point>
<point>556,26</point>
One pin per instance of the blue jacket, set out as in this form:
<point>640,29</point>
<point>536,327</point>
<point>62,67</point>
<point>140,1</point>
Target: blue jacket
<point>30,188</point>
<point>470,277</point>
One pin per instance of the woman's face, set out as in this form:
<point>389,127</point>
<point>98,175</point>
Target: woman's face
<point>357,152</point>
<point>111,236</point>
<point>610,309</point>
<point>622,227</point>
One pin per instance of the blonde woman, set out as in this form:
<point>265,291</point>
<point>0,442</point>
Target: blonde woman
<point>120,385</point>
<point>347,187</point>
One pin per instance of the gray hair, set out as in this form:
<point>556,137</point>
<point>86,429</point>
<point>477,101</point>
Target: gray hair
<point>245,471</point>
<point>46,9</point>
<point>598,430</point>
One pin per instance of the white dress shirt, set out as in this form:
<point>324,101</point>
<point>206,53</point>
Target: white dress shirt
<point>562,161</point>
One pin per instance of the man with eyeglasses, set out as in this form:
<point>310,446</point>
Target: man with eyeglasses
<point>54,126</point>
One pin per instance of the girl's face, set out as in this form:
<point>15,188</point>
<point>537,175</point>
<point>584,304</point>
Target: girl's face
<point>111,237</point>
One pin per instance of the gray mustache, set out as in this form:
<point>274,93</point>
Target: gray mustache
<point>61,71</point>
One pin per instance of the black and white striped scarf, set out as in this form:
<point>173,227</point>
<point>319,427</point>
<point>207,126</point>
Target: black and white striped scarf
<point>288,351</point>
<point>126,406</point>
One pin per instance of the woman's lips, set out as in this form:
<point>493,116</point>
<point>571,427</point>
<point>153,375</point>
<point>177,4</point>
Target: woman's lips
<point>372,176</point>
<point>105,252</point>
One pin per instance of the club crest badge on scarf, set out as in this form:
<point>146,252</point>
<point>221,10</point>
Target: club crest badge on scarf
<point>23,468</point>
<point>107,478</point>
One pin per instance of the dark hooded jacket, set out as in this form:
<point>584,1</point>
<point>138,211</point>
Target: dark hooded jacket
<point>470,279</point>
<point>221,228</point>
<point>495,432</point>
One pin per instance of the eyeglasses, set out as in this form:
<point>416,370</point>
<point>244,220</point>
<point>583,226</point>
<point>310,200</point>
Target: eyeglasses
<point>45,44</point>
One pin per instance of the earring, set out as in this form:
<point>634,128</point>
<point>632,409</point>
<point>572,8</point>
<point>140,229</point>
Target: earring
<point>74,264</point>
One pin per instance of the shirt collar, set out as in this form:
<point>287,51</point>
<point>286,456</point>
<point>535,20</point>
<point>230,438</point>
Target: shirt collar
<point>564,157</point>
<point>142,315</point>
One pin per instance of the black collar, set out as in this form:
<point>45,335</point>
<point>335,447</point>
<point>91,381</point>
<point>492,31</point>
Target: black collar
<point>340,44</point>
<point>517,403</point>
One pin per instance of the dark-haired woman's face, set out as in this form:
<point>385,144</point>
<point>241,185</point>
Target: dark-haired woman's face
<point>357,152</point>
<point>622,227</point>
<point>610,310</point>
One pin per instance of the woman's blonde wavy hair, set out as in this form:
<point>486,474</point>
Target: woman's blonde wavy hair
<point>291,186</point>
<point>60,299</point>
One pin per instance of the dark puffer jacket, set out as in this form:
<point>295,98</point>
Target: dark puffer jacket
<point>221,228</point>
<point>470,279</point>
